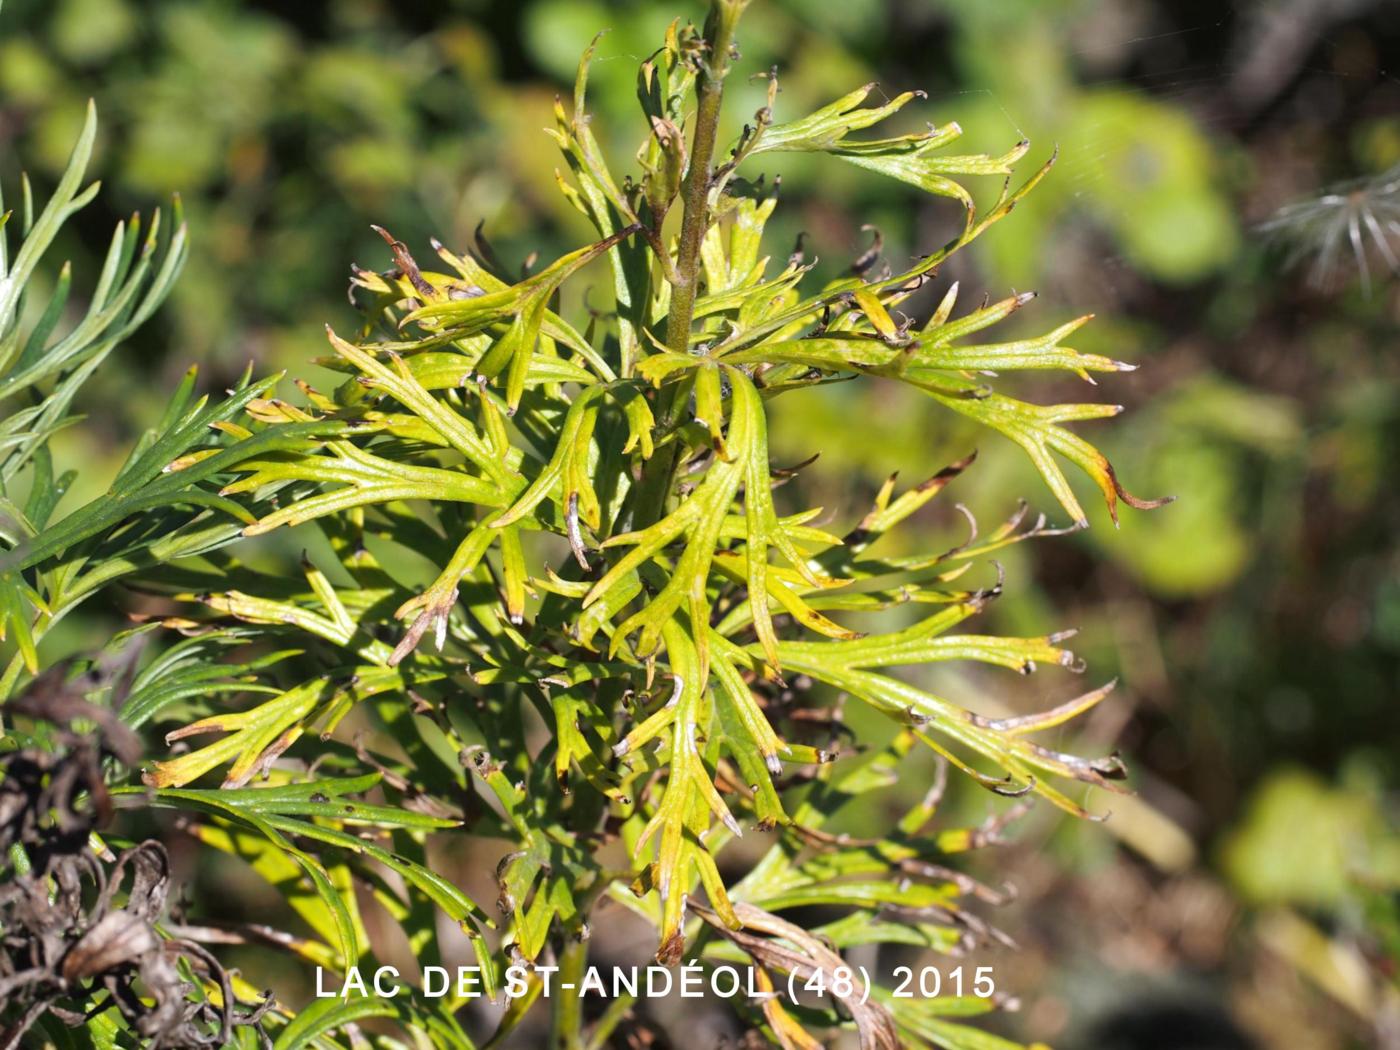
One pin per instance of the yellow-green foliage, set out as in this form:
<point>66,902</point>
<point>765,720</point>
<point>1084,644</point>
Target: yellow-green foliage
<point>596,498</point>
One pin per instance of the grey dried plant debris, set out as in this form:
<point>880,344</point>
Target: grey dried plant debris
<point>80,935</point>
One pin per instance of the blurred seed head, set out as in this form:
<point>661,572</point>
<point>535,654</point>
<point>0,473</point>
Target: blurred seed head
<point>1347,225</point>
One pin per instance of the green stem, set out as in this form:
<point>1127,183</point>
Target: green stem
<point>655,486</point>
<point>613,1016</point>
<point>695,190</point>
<point>566,1017</point>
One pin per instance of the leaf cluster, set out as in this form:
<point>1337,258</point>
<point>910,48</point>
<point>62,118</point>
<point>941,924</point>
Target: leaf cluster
<point>609,559</point>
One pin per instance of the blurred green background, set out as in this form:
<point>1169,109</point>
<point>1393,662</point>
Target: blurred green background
<point>1248,898</point>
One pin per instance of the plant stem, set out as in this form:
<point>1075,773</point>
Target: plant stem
<point>613,1016</point>
<point>655,486</point>
<point>566,1018</point>
<point>695,191</point>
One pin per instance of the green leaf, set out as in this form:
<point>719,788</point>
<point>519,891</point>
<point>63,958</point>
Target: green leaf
<point>523,304</point>
<point>324,1016</point>
<point>908,158</point>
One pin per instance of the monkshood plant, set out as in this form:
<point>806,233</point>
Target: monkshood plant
<point>626,654</point>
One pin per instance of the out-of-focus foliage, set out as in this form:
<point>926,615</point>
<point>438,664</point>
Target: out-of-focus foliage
<point>282,132</point>
<point>1139,168</point>
<point>1305,842</point>
<point>1321,866</point>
